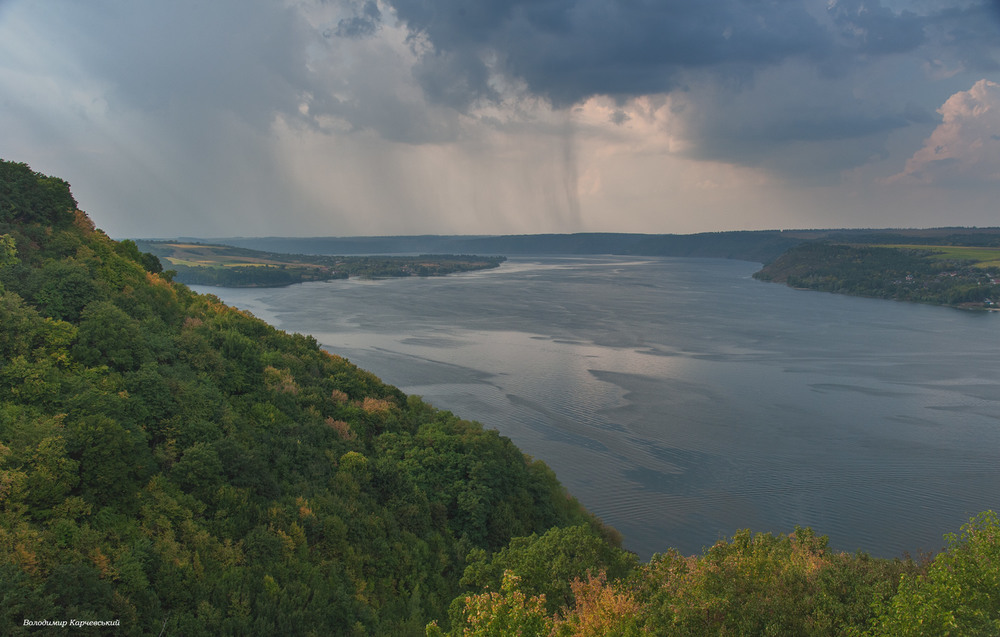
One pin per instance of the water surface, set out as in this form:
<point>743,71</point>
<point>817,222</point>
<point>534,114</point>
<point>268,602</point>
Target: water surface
<point>680,400</point>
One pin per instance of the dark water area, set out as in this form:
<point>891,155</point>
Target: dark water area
<point>680,400</point>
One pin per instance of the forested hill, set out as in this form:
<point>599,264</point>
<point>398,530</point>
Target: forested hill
<point>183,468</point>
<point>173,466</point>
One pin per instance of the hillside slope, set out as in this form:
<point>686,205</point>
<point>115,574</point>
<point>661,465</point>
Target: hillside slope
<point>182,467</point>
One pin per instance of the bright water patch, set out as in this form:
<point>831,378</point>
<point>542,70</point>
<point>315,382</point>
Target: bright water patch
<point>680,400</point>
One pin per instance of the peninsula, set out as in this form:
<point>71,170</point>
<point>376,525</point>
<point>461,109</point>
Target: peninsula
<point>195,263</point>
<point>963,273</point>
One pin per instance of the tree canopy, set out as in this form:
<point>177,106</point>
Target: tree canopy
<point>182,466</point>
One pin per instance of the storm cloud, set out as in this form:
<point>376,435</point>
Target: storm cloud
<point>569,50</point>
<point>757,78</point>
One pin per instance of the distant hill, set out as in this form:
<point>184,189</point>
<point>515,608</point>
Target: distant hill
<point>750,246</point>
<point>761,246</point>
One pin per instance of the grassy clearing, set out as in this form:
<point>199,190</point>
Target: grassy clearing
<point>191,262</point>
<point>228,266</point>
<point>193,255</point>
<point>981,257</point>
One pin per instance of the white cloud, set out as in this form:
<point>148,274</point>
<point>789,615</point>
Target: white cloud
<point>965,147</point>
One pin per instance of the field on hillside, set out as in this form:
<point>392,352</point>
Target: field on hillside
<point>228,266</point>
<point>978,256</point>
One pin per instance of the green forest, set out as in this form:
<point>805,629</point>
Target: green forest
<point>170,465</point>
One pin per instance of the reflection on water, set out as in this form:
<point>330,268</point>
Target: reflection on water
<point>680,400</point>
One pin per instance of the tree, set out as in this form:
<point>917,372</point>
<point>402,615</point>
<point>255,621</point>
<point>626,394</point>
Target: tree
<point>109,336</point>
<point>52,476</point>
<point>110,461</point>
<point>30,197</point>
<point>959,596</point>
<point>8,251</point>
<point>547,564</point>
<point>61,289</point>
<point>199,471</point>
<point>507,613</point>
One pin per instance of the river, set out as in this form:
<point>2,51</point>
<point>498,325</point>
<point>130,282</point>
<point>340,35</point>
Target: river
<point>680,400</point>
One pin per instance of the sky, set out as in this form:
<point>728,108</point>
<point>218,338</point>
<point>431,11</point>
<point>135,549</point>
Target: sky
<point>392,117</point>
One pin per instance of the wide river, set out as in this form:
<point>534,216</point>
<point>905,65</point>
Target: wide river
<point>680,400</point>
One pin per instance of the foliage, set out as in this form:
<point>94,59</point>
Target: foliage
<point>8,251</point>
<point>30,197</point>
<point>761,584</point>
<point>179,465</point>
<point>600,611</point>
<point>547,564</point>
<point>509,612</point>
<point>752,585</point>
<point>959,595</point>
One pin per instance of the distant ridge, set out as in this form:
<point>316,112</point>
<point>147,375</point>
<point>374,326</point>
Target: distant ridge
<point>762,246</point>
<point>750,246</point>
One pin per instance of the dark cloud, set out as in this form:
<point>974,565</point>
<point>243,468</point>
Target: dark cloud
<point>872,29</point>
<point>970,34</point>
<point>810,138</point>
<point>787,85</point>
<point>450,78</point>
<point>363,25</point>
<point>804,148</point>
<point>619,117</point>
<point>568,50</point>
<point>916,114</point>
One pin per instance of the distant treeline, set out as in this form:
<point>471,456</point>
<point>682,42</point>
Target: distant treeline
<point>265,276</point>
<point>890,272</point>
<point>376,267</point>
<point>362,267</point>
<point>760,246</point>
